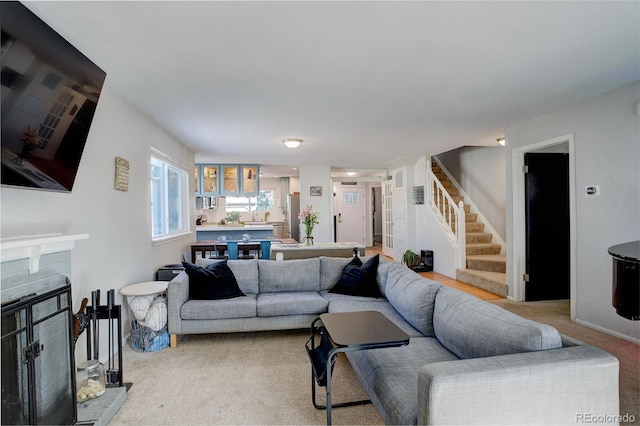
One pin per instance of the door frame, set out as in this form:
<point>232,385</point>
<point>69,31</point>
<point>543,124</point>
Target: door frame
<point>363,203</point>
<point>387,219</point>
<point>518,249</point>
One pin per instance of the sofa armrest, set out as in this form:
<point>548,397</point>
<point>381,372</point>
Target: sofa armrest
<point>557,386</point>
<point>177,295</point>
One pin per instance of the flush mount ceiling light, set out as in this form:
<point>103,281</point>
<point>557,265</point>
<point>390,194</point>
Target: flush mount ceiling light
<point>501,141</point>
<point>292,142</point>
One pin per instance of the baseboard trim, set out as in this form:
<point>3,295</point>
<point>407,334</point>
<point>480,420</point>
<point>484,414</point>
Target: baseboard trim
<point>606,331</point>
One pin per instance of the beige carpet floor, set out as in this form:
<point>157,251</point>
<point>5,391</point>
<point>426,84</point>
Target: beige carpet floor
<point>264,377</point>
<point>240,378</point>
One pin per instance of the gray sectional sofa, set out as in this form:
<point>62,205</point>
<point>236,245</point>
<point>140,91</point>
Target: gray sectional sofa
<point>468,361</point>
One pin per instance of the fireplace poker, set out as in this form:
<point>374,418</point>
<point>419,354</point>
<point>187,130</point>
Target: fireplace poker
<point>111,372</point>
<point>97,325</point>
<point>109,306</point>
<point>94,321</point>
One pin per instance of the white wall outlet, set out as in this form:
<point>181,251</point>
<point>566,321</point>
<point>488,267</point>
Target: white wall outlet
<point>592,190</point>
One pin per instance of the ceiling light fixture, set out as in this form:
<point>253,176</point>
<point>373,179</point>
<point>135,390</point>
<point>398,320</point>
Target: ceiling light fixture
<point>502,141</point>
<point>351,173</point>
<point>292,142</point>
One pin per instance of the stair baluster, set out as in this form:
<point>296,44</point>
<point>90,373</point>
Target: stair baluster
<point>451,215</point>
<point>478,263</point>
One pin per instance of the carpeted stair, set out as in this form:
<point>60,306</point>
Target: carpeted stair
<point>486,267</point>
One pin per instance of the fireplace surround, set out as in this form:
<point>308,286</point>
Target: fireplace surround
<point>38,366</point>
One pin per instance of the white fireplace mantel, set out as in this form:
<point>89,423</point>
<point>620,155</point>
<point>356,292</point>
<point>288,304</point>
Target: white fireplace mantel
<point>32,247</point>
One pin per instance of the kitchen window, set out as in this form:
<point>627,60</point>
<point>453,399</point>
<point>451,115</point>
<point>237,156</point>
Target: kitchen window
<point>262,203</point>
<point>169,194</point>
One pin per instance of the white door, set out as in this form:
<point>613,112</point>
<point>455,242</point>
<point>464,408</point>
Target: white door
<point>387,218</point>
<point>350,220</point>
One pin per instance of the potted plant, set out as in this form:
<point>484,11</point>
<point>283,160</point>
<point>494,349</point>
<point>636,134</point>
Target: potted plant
<point>309,219</point>
<point>411,259</point>
<point>233,217</point>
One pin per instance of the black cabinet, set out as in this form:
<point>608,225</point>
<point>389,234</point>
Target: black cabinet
<point>626,279</point>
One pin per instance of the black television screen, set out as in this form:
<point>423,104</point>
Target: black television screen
<point>49,96</point>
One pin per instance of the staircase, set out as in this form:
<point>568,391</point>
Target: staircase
<point>485,266</point>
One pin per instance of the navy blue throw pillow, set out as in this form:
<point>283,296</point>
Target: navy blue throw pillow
<point>359,279</point>
<point>215,281</point>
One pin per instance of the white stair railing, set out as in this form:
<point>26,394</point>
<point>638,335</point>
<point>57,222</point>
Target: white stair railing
<point>452,216</point>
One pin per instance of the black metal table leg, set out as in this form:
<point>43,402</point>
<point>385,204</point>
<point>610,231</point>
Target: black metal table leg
<point>331,355</point>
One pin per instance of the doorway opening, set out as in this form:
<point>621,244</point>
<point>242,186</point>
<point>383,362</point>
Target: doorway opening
<point>519,210</point>
<point>547,224</point>
<point>376,214</point>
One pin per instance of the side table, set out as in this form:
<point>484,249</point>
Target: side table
<point>148,306</point>
<point>347,332</point>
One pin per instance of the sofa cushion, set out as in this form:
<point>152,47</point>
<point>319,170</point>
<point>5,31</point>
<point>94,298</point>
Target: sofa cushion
<point>291,303</point>
<point>331,271</point>
<point>289,275</point>
<point>390,376</point>
<point>245,271</point>
<point>337,296</point>
<point>472,328</point>
<point>240,307</point>
<point>383,273</point>
<point>354,304</point>
<point>215,281</point>
<point>412,296</point>
<point>359,279</point>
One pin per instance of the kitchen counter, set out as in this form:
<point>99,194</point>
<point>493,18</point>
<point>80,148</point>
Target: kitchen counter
<point>303,251</point>
<point>230,232</point>
<point>222,228</point>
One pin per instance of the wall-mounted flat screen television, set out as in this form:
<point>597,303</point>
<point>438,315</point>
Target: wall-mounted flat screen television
<point>50,91</point>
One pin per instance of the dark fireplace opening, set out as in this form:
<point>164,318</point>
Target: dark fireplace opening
<point>38,367</point>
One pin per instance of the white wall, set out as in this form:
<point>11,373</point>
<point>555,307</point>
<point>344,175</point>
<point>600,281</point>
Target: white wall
<point>607,153</point>
<point>480,171</point>
<point>119,249</point>
<point>428,231</point>
<point>317,176</point>
<point>403,176</point>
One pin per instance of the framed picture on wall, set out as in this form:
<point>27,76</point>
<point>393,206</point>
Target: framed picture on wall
<point>316,191</point>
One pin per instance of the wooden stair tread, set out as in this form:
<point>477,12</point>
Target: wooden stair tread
<point>471,217</point>
<point>489,257</point>
<point>487,262</point>
<point>474,227</point>
<point>479,237</point>
<point>483,248</point>
<point>495,282</point>
<point>498,277</point>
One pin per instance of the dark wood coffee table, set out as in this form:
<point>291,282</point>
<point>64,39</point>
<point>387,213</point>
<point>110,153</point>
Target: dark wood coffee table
<point>349,332</point>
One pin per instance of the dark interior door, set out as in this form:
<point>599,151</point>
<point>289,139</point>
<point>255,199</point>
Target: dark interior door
<point>547,222</point>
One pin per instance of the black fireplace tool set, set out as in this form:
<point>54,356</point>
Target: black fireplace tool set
<point>91,321</point>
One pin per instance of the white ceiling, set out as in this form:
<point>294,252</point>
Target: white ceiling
<point>363,83</point>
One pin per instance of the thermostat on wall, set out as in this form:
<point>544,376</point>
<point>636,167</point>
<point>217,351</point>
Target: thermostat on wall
<point>592,190</point>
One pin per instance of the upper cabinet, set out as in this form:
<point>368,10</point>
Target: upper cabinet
<point>230,179</point>
<point>196,175</point>
<point>209,181</point>
<point>250,181</point>
<point>227,179</point>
